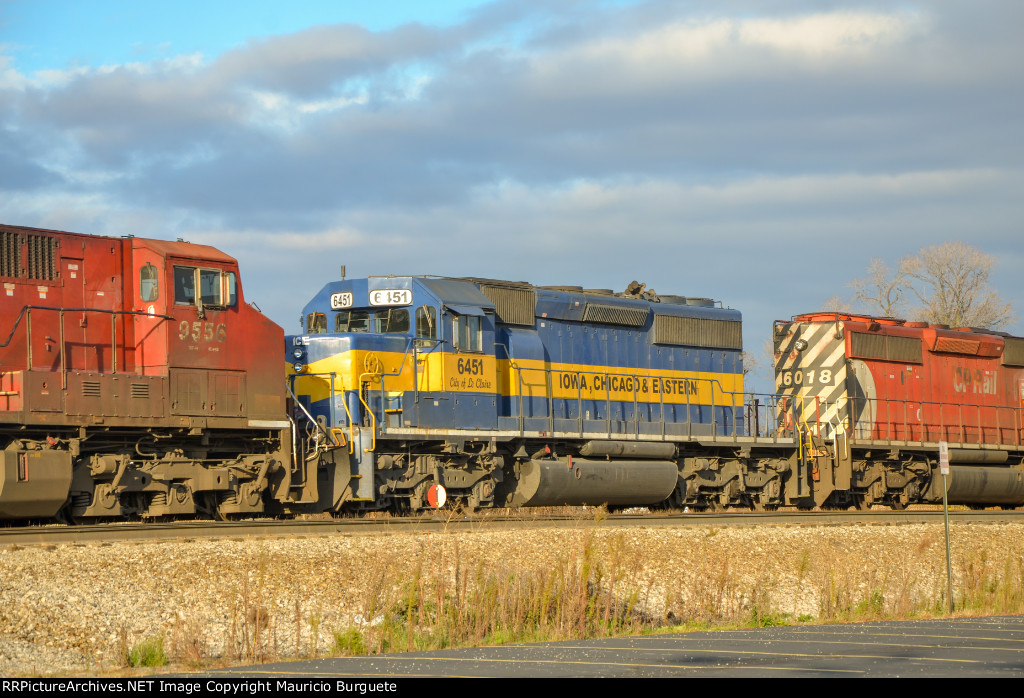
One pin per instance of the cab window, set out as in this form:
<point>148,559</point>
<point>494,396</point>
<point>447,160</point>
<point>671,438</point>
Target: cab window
<point>352,321</point>
<point>185,285</point>
<point>149,283</point>
<point>468,335</point>
<point>392,321</point>
<point>316,323</point>
<point>216,287</point>
<point>426,322</point>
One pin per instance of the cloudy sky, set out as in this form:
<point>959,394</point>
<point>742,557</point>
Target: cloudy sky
<point>760,153</point>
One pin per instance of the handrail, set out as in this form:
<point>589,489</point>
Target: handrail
<point>410,345</point>
<point>373,417</point>
<point>895,423</point>
<point>26,313</point>
<point>334,393</point>
<point>25,308</point>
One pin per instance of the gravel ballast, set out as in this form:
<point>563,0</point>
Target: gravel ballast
<point>72,609</point>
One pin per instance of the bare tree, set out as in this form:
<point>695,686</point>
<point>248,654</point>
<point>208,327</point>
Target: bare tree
<point>951,283</point>
<point>835,304</point>
<point>883,290</point>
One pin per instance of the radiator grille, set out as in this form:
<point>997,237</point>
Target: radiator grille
<point>615,314</point>
<point>514,306</point>
<point>697,332</point>
<point>957,346</point>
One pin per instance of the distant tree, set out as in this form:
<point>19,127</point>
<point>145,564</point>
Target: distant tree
<point>750,362</point>
<point>883,290</point>
<point>948,281</point>
<point>835,304</point>
<point>951,283</point>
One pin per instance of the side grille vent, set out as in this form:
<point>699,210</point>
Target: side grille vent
<point>615,315</point>
<point>514,306</point>
<point>1013,352</point>
<point>885,348</point>
<point>10,254</point>
<point>42,256</point>
<point>905,349</point>
<point>91,389</point>
<point>140,391</point>
<point>697,332</point>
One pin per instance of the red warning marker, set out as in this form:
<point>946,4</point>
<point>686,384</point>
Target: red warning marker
<point>437,496</point>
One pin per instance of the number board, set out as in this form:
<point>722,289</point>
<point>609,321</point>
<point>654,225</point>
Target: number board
<point>341,300</point>
<point>391,296</point>
<point>809,377</point>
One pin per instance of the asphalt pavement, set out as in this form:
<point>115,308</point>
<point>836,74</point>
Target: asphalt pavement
<point>962,647</point>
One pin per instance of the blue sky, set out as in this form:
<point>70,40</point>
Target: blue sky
<point>47,34</point>
<point>761,153</point>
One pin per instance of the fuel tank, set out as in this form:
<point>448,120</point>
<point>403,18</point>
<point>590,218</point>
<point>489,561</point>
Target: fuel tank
<point>577,481</point>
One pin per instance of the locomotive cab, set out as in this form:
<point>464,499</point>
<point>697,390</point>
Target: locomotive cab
<point>407,351</point>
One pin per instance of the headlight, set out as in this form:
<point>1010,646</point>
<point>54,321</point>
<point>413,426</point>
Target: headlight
<point>299,367</point>
<point>297,353</point>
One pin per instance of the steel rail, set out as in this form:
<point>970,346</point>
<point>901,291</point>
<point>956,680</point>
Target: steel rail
<point>451,522</point>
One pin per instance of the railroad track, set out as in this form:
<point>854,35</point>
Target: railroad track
<point>441,523</point>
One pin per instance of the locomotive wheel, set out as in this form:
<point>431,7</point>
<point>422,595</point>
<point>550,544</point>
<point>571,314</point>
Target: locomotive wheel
<point>64,515</point>
<point>755,503</point>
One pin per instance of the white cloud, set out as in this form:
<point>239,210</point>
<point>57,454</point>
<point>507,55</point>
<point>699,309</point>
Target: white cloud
<point>280,111</point>
<point>708,48</point>
<point>821,35</point>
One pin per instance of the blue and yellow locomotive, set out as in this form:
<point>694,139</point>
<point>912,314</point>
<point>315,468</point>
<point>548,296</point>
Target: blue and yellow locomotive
<point>419,389</point>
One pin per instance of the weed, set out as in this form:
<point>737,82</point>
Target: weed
<point>349,642</point>
<point>767,620</point>
<point>148,653</point>
<point>188,640</point>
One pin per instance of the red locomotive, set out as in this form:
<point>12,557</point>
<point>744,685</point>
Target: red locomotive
<point>873,397</point>
<point>135,380</point>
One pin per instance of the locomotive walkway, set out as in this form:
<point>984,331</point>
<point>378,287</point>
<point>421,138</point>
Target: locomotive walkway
<point>962,647</point>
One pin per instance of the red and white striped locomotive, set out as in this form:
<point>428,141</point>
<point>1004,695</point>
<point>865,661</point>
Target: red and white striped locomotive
<point>881,394</point>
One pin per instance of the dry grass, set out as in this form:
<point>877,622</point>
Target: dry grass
<point>601,584</point>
